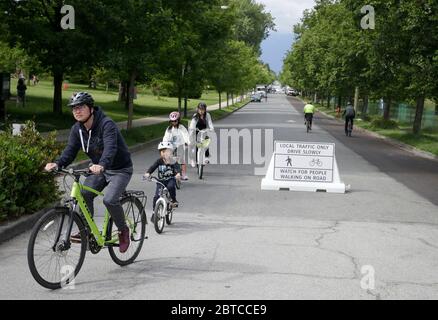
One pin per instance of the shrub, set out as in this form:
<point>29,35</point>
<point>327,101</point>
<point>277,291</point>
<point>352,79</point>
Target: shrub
<point>381,123</point>
<point>24,187</point>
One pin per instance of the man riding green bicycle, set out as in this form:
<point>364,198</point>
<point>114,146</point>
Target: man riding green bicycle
<point>111,168</point>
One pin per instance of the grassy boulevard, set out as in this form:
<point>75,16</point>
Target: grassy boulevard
<point>427,140</point>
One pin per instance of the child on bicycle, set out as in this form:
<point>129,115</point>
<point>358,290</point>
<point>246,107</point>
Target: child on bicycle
<point>178,135</point>
<point>167,172</point>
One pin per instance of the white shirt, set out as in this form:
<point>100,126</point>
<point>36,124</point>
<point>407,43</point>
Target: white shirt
<point>177,136</point>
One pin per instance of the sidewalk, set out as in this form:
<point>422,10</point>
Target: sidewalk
<point>62,135</point>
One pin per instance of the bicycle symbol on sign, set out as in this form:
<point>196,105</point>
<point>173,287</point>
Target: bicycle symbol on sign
<point>315,162</point>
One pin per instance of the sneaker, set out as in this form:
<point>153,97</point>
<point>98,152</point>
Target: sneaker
<point>193,163</point>
<point>206,160</point>
<point>124,240</point>
<point>185,178</point>
<point>75,238</point>
<point>175,204</point>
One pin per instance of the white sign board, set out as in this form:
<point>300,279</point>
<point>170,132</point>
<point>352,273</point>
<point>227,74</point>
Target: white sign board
<point>307,162</point>
<point>303,166</point>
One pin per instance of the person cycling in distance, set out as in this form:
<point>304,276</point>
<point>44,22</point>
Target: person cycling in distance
<point>178,135</point>
<point>167,172</point>
<point>309,110</point>
<point>111,167</point>
<point>201,121</point>
<point>349,114</point>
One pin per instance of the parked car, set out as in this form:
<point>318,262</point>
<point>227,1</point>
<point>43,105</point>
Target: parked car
<point>292,92</point>
<point>256,97</point>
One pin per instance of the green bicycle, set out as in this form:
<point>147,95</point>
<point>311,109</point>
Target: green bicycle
<point>55,258</point>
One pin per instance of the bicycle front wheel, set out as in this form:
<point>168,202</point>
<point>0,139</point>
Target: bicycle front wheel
<point>135,218</point>
<point>159,216</point>
<point>54,263</point>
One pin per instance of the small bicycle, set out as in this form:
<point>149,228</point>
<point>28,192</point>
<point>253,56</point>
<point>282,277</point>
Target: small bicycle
<point>163,212</point>
<point>55,259</point>
<point>202,146</point>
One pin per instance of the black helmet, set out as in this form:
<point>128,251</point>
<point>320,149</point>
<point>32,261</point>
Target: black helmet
<point>202,105</point>
<point>80,98</point>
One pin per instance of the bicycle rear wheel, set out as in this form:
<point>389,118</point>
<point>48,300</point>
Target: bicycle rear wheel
<point>159,216</point>
<point>55,265</point>
<point>200,171</point>
<point>135,218</point>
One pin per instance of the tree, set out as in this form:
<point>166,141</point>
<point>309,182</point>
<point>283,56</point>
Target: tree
<point>36,26</point>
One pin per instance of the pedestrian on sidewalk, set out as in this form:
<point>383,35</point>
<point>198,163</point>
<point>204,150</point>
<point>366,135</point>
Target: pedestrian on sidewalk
<point>21,92</point>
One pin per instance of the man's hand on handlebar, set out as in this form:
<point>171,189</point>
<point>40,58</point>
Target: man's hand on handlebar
<point>96,169</point>
<point>51,167</point>
<point>147,176</point>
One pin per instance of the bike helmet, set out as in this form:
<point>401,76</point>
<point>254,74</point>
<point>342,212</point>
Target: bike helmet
<point>174,116</point>
<point>80,98</point>
<point>165,145</point>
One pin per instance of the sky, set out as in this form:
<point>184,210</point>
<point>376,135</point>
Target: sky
<point>286,14</point>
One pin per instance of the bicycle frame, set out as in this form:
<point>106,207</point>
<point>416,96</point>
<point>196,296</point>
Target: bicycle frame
<point>202,146</point>
<point>79,199</point>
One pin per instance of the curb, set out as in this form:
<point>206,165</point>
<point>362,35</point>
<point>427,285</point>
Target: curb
<point>25,223</point>
<point>396,143</point>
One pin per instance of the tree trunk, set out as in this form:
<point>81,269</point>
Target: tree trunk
<point>57,93</point>
<point>340,101</point>
<point>179,99</point>
<point>232,98</point>
<point>418,115</point>
<point>131,100</point>
<point>185,107</point>
<point>228,97</point>
<point>220,100</point>
<point>387,109</point>
<point>128,94</point>
<point>2,111</point>
<point>365,104</point>
<point>356,98</point>
<point>122,91</point>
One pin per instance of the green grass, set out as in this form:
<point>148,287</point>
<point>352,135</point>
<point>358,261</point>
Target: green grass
<point>147,133</point>
<point>39,105</point>
<point>427,140</point>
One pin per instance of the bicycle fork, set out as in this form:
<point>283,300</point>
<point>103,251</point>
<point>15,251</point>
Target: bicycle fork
<point>64,212</point>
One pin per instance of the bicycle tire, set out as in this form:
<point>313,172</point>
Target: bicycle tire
<point>43,224</point>
<point>138,219</point>
<point>169,217</point>
<point>178,184</point>
<point>159,217</point>
<point>200,171</point>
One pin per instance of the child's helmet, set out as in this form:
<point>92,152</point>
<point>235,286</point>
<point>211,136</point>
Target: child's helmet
<point>165,145</point>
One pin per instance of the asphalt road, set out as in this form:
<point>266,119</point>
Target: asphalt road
<point>231,240</point>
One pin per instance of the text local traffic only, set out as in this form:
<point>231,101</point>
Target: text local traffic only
<point>305,149</point>
<point>305,162</point>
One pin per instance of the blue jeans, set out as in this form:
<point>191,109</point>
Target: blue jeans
<point>116,182</point>
<point>170,185</point>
